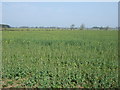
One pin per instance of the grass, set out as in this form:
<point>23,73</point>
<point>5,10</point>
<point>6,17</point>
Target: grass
<point>60,59</point>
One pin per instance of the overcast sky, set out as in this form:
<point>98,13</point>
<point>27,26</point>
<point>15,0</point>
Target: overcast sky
<point>61,14</point>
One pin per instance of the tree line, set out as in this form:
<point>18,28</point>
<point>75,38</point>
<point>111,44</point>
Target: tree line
<point>72,27</point>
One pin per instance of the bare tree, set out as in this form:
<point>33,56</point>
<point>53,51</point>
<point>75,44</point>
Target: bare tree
<point>72,26</point>
<point>82,27</point>
<point>106,28</point>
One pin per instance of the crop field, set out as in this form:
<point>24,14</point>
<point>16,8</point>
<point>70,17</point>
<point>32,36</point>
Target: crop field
<point>60,59</point>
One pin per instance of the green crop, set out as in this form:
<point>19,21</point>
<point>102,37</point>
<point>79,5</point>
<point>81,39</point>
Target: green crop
<point>60,59</point>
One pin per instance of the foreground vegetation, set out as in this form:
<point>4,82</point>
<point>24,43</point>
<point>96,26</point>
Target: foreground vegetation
<point>60,59</point>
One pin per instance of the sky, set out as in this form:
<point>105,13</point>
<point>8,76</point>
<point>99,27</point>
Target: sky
<point>61,14</point>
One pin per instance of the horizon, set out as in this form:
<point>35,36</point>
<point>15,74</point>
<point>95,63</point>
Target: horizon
<point>60,14</point>
<point>56,26</point>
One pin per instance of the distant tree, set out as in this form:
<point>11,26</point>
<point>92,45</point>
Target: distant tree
<point>95,27</point>
<point>4,26</point>
<point>82,27</point>
<point>101,28</point>
<point>24,27</point>
<point>106,28</point>
<point>72,26</point>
